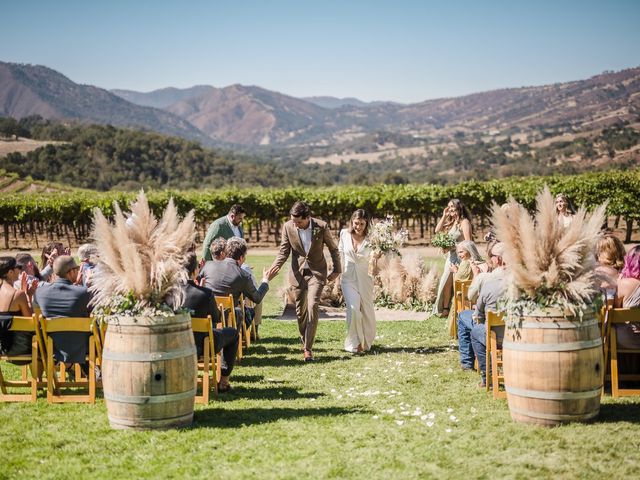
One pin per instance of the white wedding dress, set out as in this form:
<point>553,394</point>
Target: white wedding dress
<point>357,288</point>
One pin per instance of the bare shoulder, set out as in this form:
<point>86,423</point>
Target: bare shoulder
<point>627,286</point>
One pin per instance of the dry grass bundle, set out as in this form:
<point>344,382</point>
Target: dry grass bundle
<point>550,265</point>
<point>406,281</point>
<point>142,259</point>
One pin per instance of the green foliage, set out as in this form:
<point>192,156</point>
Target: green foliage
<point>620,189</point>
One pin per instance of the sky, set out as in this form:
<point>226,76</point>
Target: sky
<point>395,50</point>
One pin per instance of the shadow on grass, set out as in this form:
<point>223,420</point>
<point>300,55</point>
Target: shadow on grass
<point>378,349</point>
<point>618,412</point>
<point>222,418</point>
<point>272,360</point>
<point>274,392</point>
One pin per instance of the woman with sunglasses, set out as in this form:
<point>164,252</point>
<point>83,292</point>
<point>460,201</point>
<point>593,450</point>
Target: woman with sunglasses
<point>12,301</point>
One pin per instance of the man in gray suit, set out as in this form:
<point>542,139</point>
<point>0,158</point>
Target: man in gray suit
<point>226,276</point>
<point>226,227</point>
<point>64,299</point>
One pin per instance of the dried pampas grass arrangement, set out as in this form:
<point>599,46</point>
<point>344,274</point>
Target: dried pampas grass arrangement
<point>550,265</point>
<point>141,265</point>
<point>405,282</point>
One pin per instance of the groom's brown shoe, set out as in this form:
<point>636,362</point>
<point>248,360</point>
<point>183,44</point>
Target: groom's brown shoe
<point>308,356</point>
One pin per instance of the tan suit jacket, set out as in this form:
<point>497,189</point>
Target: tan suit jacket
<point>291,244</point>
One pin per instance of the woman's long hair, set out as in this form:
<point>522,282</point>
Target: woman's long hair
<point>360,214</point>
<point>610,251</point>
<point>632,264</point>
<point>471,247</point>
<point>461,211</point>
<point>564,197</point>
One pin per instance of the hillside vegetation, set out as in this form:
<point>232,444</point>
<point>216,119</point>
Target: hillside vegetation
<point>104,158</point>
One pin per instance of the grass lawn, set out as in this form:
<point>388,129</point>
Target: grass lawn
<point>404,411</point>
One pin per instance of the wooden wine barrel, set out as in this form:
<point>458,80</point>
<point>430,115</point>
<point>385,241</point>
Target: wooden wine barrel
<point>149,372</point>
<point>553,368</point>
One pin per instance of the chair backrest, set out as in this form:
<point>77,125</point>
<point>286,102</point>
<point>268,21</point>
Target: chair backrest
<point>227,305</point>
<point>67,324</point>
<point>615,317</point>
<point>460,290</point>
<point>26,325</point>
<point>494,319</point>
<point>203,325</point>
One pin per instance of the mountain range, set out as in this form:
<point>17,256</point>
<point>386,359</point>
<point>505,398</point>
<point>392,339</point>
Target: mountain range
<point>253,116</point>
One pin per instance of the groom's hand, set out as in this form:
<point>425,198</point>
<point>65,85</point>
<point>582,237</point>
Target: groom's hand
<point>271,272</point>
<point>332,276</point>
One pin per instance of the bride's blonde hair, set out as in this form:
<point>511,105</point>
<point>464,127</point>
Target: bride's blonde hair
<point>360,214</point>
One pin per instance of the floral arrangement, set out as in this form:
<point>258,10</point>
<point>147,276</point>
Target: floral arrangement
<point>384,239</point>
<point>140,269</point>
<point>444,241</point>
<point>550,266</point>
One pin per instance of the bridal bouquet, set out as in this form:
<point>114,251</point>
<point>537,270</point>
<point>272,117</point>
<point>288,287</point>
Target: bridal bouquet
<point>384,239</point>
<point>444,241</point>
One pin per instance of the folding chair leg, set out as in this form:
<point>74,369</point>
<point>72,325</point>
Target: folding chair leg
<point>614,363</point>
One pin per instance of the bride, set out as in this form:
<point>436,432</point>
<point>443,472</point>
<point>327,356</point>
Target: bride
<point>357,283</point>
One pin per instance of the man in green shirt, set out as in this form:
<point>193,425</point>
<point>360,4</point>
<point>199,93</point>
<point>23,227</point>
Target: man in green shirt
<point>226,227</point>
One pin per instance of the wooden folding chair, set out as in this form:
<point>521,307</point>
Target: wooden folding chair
<point>460,302</point>
<point>208,367</point>
<point>228,316</point>
<point>32,373</point>
<point>621,316</point>
<point>58,388</point>
<point>493,372</point>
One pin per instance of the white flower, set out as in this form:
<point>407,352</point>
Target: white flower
<point>400,422</point>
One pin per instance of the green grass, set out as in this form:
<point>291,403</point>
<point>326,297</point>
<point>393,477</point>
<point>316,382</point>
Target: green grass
<point>383,415</point>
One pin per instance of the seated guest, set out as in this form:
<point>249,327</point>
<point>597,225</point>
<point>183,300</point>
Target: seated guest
<point>88,255</point>
<point>201,303</point>
<point>470,263</point>
<point>226,276</point>
<point>629,297</point>
<point>610,254</point>
<point>493,287</point>
<point>49,253</point>
<point>218,247</point>
<point>64,299</point>
<point>13,302</point>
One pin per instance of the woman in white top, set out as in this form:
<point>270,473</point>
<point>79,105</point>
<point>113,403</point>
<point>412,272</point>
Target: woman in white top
<point>357,283</point>
<point>564,210</point>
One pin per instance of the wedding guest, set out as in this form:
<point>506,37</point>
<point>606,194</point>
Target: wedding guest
<point>226,276</point>
<point>564,209</point>
<point>88,255</point>
<point>610,254</point>
<point>226,227</point>
<point>64,299</point>
<point>629,297</point>
<point>12,301</point>
<point>357,283</point>
<point>455,221</point>
<point>202,304</point>
<point>50,252</point>
<point>30,277</point>
<point>471,264</point>
<point>492,289</point>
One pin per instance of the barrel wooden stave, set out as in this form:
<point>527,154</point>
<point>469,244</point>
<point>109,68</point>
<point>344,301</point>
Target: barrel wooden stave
<point>150,391</point>
<point>553,386</point>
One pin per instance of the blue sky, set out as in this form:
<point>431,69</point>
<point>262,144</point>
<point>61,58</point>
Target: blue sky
<point>398,50</point>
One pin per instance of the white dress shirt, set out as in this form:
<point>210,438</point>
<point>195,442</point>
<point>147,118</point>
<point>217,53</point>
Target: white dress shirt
<point>305,238</point>
<point>234,229</point>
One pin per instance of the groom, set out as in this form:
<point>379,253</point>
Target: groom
<point>305,237</point>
